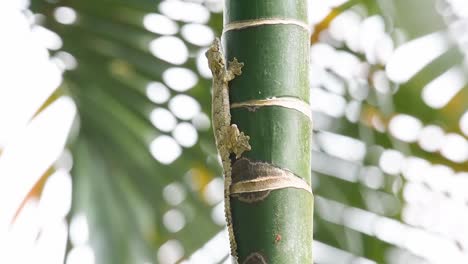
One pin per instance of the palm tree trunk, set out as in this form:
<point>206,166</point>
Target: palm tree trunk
<point>271,198</point>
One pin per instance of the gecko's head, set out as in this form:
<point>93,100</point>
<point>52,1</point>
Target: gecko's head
<point>214,49</point>
<point>216,45</point>
<point>214,55</point>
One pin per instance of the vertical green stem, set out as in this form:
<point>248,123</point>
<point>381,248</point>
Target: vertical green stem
<point>275,224</point>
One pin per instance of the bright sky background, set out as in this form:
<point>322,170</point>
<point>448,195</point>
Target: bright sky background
<point>30,146</point>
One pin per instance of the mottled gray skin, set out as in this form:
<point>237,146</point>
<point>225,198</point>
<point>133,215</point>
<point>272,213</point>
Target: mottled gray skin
<point>228,137</point>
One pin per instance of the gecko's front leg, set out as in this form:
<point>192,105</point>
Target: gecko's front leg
<point>234,69</point>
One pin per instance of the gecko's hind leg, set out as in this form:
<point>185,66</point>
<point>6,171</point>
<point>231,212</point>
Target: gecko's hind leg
<point>239,142</point>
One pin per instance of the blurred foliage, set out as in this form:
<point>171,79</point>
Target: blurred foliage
<point>120,186</point>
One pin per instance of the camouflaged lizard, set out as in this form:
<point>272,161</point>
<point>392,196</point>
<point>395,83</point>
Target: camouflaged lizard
<point>228,137</point>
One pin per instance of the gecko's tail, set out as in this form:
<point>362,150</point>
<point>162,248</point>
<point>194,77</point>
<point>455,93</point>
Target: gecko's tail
<point>227,207</point>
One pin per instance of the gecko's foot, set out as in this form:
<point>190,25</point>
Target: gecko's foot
<point>235,67</point>
<point>239,141</point>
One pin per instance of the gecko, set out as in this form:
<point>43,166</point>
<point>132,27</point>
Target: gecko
<point>228,137</point>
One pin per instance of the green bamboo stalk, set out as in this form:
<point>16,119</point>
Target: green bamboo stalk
<point>271,38</point>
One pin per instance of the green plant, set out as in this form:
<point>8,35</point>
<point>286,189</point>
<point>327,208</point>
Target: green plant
<point>120,188</point>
